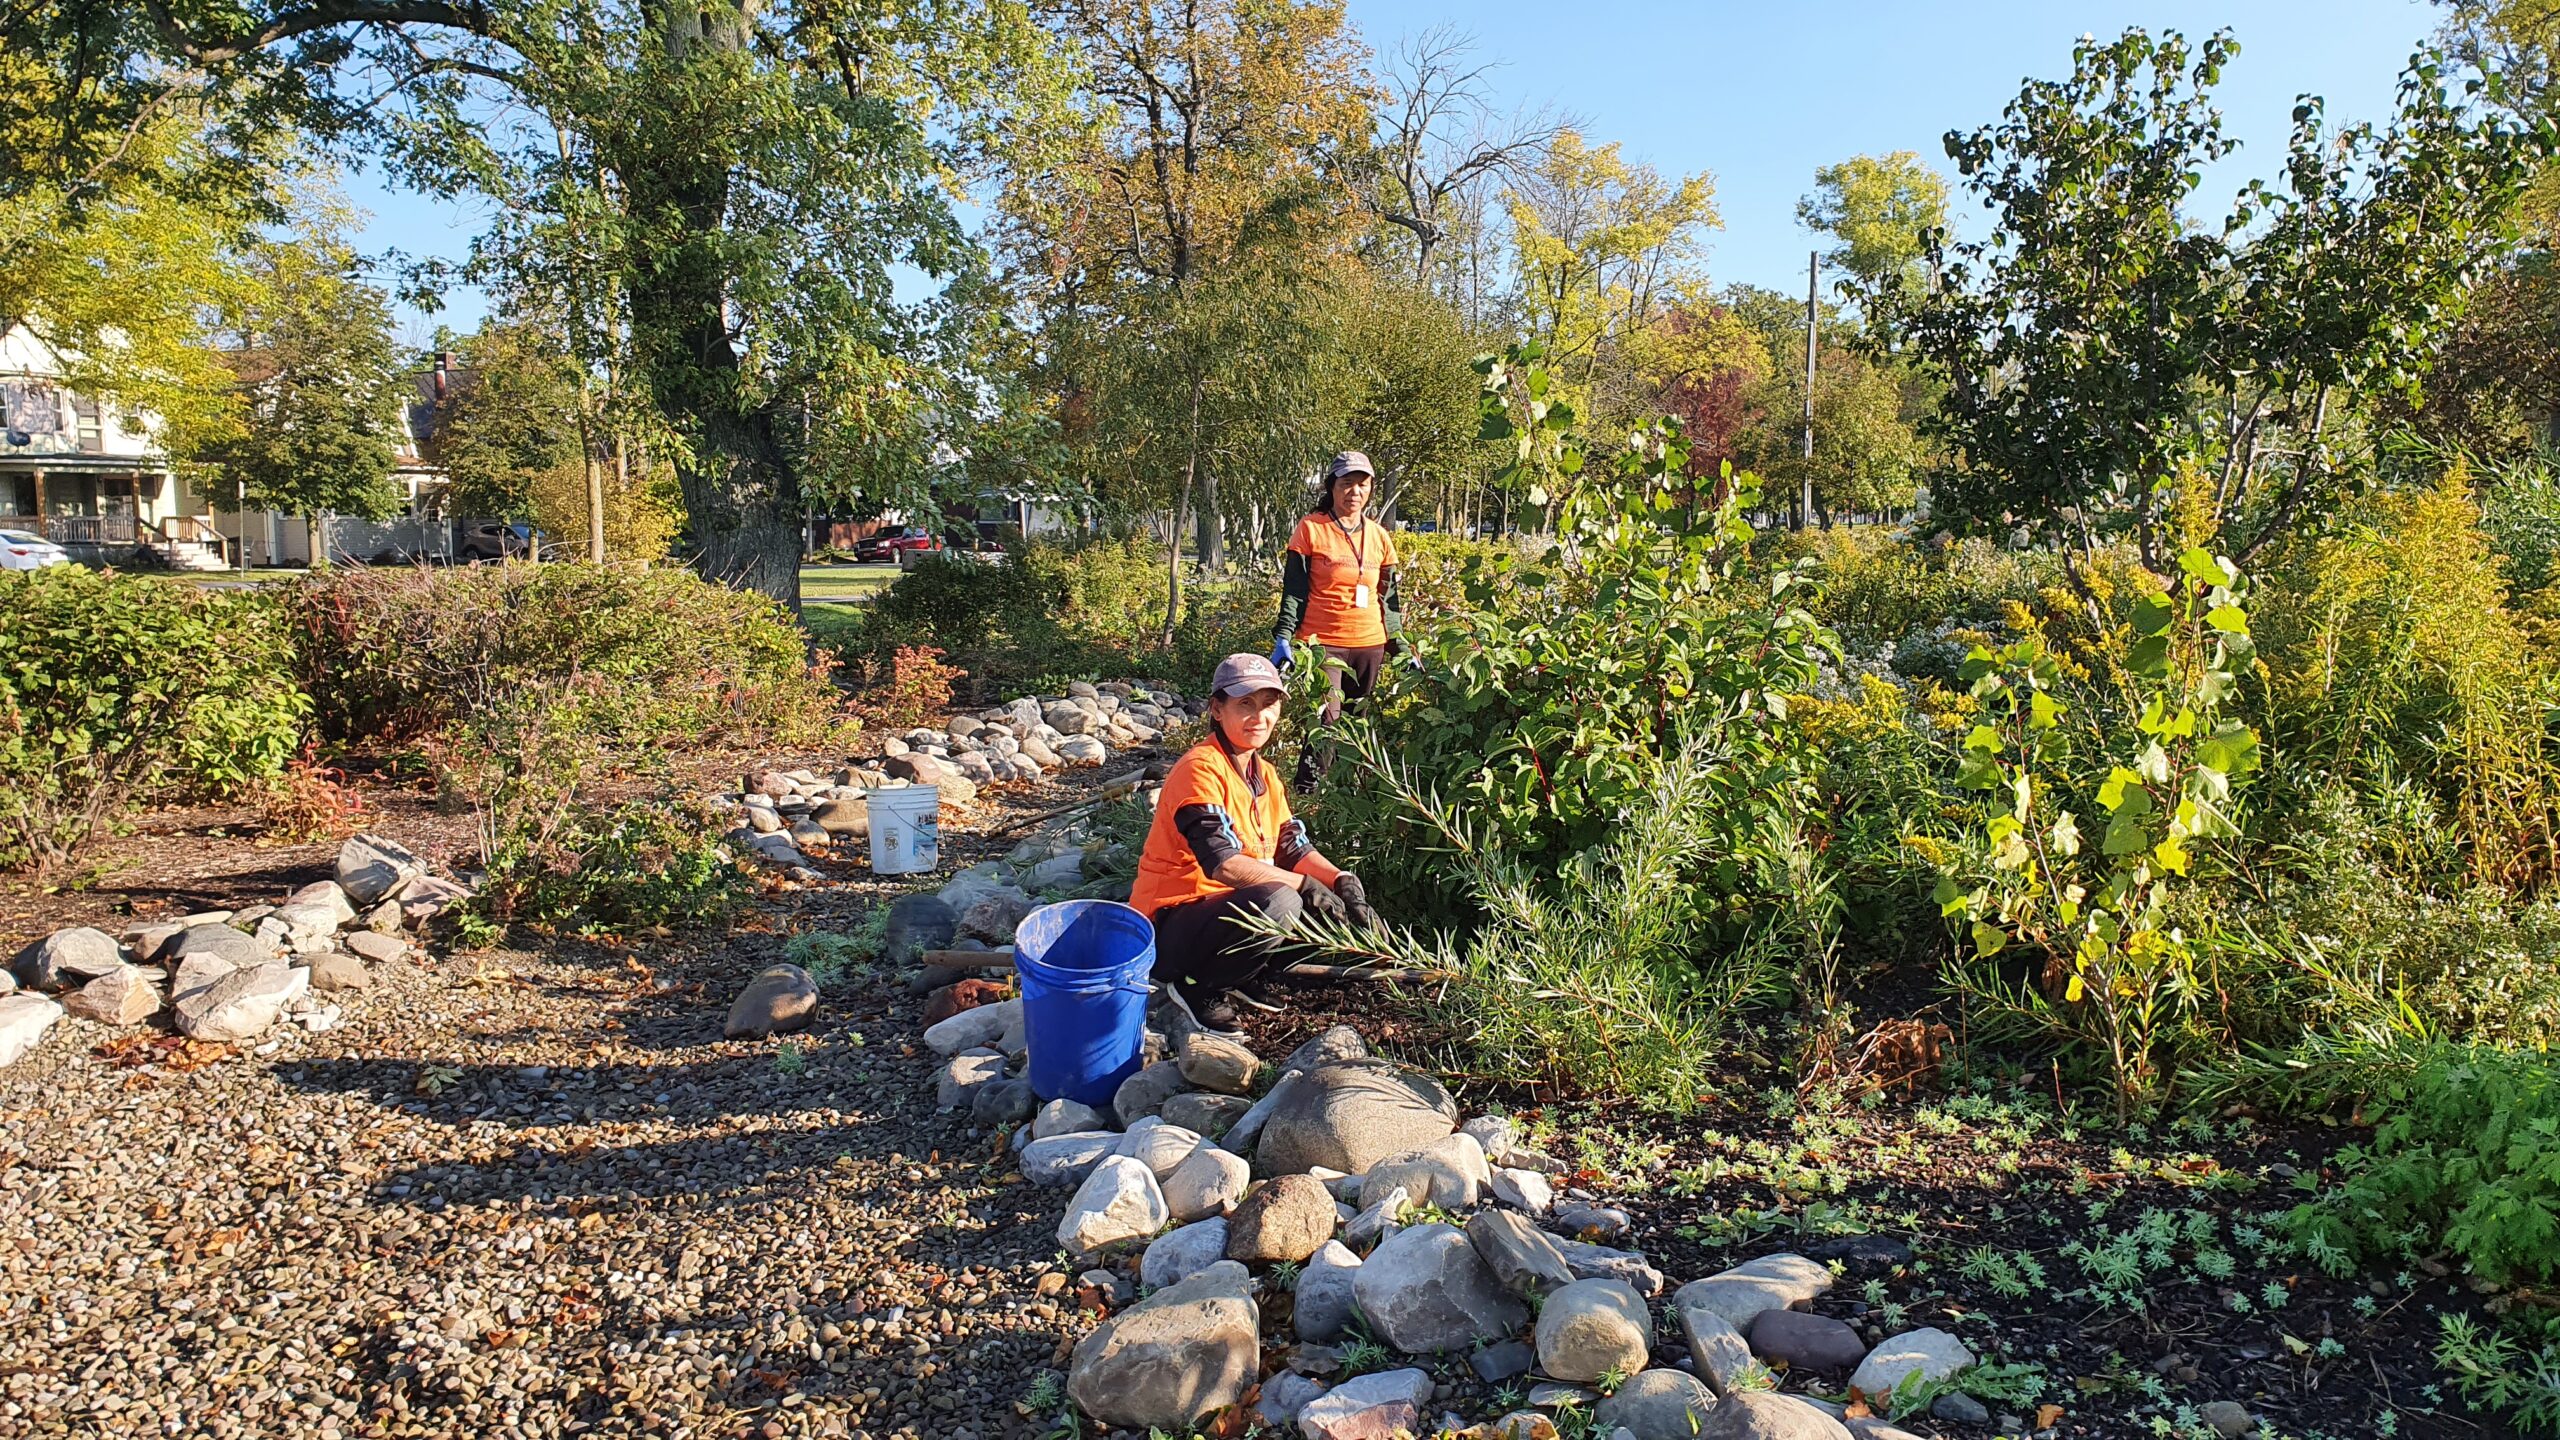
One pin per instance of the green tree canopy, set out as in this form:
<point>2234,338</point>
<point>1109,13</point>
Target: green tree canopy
<point>2103,340</point>
<point>318,376</point>
<point>1877,208</point>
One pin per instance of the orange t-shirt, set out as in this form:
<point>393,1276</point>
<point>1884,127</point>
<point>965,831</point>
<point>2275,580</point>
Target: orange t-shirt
<point>1210,813</point>
<point>1342,571</point>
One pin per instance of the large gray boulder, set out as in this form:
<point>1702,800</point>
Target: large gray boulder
<point>1063,1116</point>
<point>1182,1352</point>
<point>242,1005</point>
<point>1209,1181</point>
<point>68,959</point>
<point>1287,1219</point>
<point>917,923</point>
<point>24,1018</point>
<point>1520,1255</point>
<point>1066,1159</point>
<point>370,867</point>
<point>1348,1117</point>
<point>1215,1062</point>
<point>957,1085</point>
<point>1658,1405</point>
<point>1146,1090</point>
<point>1760,1415</point>
<point>1426,1292</point>
<point>1330,1048</point>
<point>1930,1353</point>
<point>980,1027</point>
<point>128,996</point>
<point>1772,1282</point>
<point>1389,1402</point>
<point>1719,1351</point>
<point>1182,1252</point>
<point>1159,1147</point>
<point>1326,1305</point>
<point>1592,1328</point>
<point>1599,1262</point>
<point>1117,1203</point>
<point>781,999</point>
<point>1206,1111</point>
<point>1450,1172</point>
<point>216,942</point>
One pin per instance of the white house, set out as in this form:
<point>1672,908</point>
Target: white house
<point>91,478</point>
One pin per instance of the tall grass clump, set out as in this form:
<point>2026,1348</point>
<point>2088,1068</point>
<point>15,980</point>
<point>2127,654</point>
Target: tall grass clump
<point>1602,978</point>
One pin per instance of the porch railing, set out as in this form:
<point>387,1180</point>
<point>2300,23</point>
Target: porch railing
<point>78,529</point>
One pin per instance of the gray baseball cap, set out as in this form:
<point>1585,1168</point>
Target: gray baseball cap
<point>1350,462</point>
<point>1245,675</point>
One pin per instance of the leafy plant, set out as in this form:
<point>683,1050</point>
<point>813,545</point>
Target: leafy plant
<point>113,686</point>
<point>913,688</point>
<point>1590,984</point>
<point>2113,961</point>
<point>2464,1156</point>
<point>310,801</point>
<point>2496,1371</point>
<point>634,865</point>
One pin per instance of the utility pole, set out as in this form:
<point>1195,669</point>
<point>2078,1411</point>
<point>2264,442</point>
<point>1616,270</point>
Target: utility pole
<point>1812,337</point>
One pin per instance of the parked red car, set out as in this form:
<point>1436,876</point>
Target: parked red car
<point>887,544</point>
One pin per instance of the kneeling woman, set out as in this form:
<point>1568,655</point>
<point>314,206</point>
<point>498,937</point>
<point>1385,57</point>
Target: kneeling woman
<point>1224,846</point>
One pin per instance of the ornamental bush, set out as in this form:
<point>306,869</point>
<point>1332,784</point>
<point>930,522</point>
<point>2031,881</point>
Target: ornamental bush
<point>399,656</point>
<point>116,687</point>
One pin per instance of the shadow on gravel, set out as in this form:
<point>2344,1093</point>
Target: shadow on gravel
<point>884,1104</point>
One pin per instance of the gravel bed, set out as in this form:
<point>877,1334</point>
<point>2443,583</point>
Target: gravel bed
<point>529,1193</point>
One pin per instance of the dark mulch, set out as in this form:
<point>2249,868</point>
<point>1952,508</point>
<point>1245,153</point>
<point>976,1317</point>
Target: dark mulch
<point>1973,1177</point>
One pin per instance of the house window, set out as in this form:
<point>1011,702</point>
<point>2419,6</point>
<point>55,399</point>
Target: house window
<point>92,436</point>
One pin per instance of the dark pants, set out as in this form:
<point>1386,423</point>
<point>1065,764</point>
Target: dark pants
<point>1350,673</point>
<point>1200,947</point>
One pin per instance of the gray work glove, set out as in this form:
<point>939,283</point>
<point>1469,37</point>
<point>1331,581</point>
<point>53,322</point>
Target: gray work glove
<point>1322,901</point>
<point>1355,901</point>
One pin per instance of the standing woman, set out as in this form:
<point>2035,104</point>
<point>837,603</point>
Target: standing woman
<point>1338,589</point>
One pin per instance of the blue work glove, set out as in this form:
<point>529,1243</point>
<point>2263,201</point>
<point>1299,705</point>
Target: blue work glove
<point>1281,653</point>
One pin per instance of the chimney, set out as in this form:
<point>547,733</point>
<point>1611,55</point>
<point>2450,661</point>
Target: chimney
<point>444,374</point>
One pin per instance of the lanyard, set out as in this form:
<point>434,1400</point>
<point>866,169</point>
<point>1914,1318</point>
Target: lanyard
<point>1359,547</point>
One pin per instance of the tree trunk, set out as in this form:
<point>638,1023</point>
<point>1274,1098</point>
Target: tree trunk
<point>1173,530</point>
<point>1212,521</point>
<point>741,493</point>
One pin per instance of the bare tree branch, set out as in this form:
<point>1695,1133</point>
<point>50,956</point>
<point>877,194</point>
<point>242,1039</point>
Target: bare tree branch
<point>324,15</point>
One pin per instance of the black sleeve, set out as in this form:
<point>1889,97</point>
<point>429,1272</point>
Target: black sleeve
<point>1294,845</point>
<point>1390,602</point>
<point>1294,584</point>
<point>1211,833</point>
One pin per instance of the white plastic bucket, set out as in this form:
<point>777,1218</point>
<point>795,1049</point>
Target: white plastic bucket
<point>906,829</point>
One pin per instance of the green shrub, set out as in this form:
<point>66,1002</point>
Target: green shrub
<point>1054,612</point>
<point>2464,1158</point>
<point>395,656</point>
<point>112,686</point>
<point>1880,584</point>
<point>527,687</point>
<point>2090,904</point>
<point>1600,978</point>
<point>2392,652</point>
<point>633,865</point>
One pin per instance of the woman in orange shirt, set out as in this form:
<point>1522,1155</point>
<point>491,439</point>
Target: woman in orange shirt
<point>1338,589</point>
<point>1223,846</point>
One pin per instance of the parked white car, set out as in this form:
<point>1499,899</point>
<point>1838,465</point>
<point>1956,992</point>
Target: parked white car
<point>25,550</point>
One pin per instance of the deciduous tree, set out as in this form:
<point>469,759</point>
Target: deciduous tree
<point>2102,339</point>
<point>318,377</point>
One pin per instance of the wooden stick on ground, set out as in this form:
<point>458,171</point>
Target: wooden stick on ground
<point>1003,960</point>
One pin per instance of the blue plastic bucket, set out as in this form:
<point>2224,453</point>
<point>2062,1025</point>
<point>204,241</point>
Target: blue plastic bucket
<point>1083,966</point>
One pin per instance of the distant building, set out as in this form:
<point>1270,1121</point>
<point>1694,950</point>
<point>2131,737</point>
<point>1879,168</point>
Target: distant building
<point>91,478</point>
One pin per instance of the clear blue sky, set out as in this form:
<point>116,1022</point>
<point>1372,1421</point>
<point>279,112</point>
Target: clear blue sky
<point>1760,94</point>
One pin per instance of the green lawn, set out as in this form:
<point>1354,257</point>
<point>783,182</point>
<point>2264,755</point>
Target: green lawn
<point>836,584</point>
